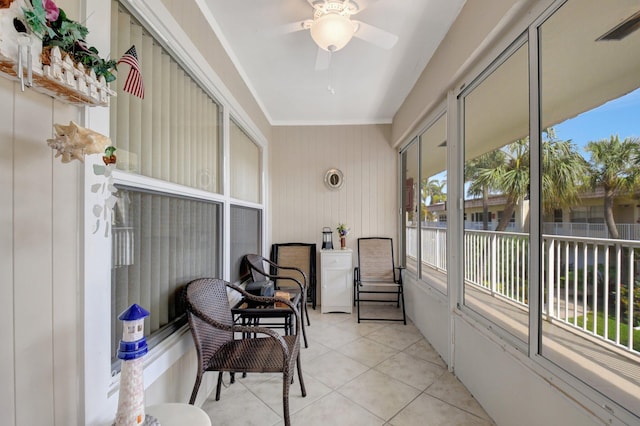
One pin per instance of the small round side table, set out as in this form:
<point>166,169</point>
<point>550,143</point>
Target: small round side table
<point>178,414</point>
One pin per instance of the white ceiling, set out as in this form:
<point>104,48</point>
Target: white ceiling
<point>370,83</point>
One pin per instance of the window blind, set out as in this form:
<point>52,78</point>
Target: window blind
<point>161,242</point>
<point>173,133</point>
<point>245,170</point>
<point>245,236</point>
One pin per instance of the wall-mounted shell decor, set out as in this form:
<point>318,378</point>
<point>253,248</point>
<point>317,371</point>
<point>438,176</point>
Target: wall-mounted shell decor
<point>74,142</point>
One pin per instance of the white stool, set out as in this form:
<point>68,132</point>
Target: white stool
<point>178,414</point>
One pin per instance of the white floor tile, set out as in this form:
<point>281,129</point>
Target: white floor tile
<point>335,410</point>
<point>379,393</point>
<point>367,352</point>
<point>448,388</point>
<point>334,369</point>
<point>368,373</point>
<point>428,411</point>
<point>410,370</point>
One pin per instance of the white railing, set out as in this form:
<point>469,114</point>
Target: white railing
<point>498,262</point>
<point>593,275</point>
<point>626,231</point>
<point>434,248</point>
<point>580,275</point>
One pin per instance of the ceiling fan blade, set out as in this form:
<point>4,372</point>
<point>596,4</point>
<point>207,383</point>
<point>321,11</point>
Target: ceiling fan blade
<point>293,27</point>
<point>375,35</point>
<point>323,59</point>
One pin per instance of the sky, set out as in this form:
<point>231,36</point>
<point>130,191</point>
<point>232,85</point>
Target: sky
<point>620,116</point>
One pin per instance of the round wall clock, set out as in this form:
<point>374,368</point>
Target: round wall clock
<point>334,179</point>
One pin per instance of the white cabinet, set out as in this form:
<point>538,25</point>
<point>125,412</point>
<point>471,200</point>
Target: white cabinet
<point>337,281</point>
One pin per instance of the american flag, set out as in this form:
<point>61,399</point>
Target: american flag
<point>133,84</point>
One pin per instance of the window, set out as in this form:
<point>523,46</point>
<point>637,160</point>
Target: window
<point>174,133</point>
<point>590,104</point>
<point>587,214</point>
<point>160,243</point>
<point>433,198</point>
<point>246,230</point>
<point>246,173</point>
<point>167,221</point>
<point>496,170</point>
<point>425,204</point>
<point>586,319</point>
<point>410,177</point>
<point>173,204</point>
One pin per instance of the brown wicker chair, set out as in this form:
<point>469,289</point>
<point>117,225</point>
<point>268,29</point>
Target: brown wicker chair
<point>376,273</point>
<point>213,332</point>
<point>279,274</point>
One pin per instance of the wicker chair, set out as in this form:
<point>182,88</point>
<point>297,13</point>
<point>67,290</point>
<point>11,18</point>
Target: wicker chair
<point>213,331</point>
<point>376,273</point>
<point>279,274</point>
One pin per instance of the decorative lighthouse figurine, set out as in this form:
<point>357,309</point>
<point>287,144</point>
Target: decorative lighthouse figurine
<point>133,347</point>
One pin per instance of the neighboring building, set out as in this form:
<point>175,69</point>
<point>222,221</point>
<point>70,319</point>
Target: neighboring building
<point>589,212</point>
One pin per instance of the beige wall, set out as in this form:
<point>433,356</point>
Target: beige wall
<point>472,34</point>
<point>300,203</point>
<point>39,263</point>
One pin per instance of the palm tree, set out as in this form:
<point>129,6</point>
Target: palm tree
<point>512,178</point>
<point>613,166</point>
<point>563,173</point>
<point>431,192</point>
<point>479,172</point>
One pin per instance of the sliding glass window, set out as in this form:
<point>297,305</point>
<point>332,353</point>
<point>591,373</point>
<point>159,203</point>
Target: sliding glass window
<point>433,204</point>
<point>410,202</point>
<point>590,109</point>
<point>424,200</point>
<point>496,194</point>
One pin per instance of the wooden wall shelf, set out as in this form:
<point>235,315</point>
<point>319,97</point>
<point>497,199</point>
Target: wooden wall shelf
<point>62,80</point>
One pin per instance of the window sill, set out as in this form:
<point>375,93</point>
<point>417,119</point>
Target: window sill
<point>160,358</point>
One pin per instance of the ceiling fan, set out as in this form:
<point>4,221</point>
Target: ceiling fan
<point>332,28</point>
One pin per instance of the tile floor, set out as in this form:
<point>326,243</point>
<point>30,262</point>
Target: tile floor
<point>372,373</point>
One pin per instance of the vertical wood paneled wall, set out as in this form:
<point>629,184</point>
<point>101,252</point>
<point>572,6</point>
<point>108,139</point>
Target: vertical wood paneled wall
<point>39,263</point>
<point>300,203</point>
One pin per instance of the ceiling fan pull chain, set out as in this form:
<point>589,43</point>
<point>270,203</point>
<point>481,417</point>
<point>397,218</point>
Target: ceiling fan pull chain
<point>330,87</point>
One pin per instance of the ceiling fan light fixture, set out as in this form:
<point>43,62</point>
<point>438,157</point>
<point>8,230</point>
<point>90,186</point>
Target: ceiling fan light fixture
<point>332,31</point>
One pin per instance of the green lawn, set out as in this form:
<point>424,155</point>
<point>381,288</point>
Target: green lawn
<point>624,329</point>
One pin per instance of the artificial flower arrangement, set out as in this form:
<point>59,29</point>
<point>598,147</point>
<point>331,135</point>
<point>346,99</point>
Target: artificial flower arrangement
<point>342,230</point>
<point>45,50</point>
<point>51,25</point>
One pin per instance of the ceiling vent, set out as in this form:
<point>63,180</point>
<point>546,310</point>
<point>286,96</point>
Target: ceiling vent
<point>622,30</point>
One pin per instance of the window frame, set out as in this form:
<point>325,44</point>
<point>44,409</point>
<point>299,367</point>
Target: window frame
<point>501,57</point>
<point>566,382</point>
<point>431,120</point>
<point>100,385</point>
